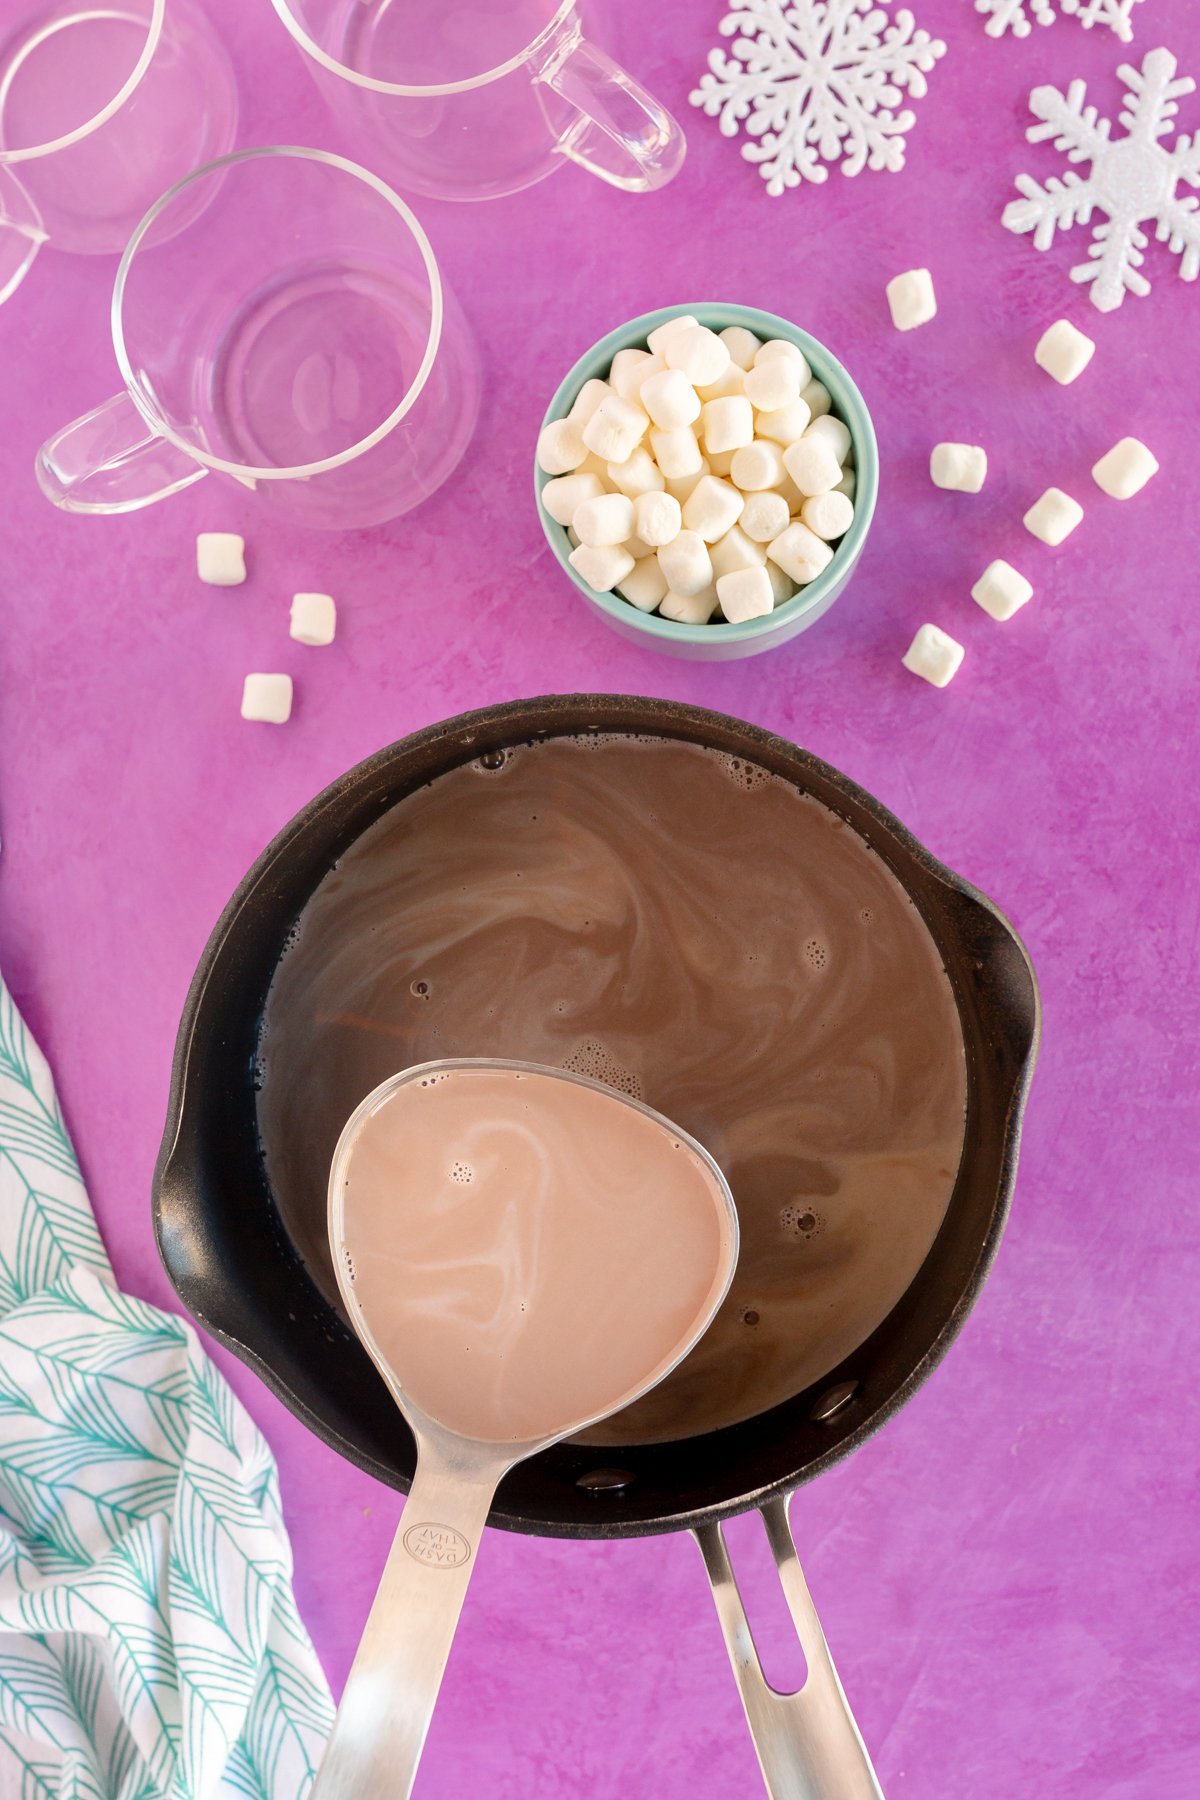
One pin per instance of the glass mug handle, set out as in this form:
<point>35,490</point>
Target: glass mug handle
<point>21,234</point>
<point>622,133</point>
<point>111,461</point>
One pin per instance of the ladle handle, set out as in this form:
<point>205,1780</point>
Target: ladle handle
<point>390,1693</point>
<point>808,1744</point>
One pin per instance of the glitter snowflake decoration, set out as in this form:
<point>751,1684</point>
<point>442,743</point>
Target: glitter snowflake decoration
<point>817,82</point>
<point>1133,181</point>
<point>1020,16</point>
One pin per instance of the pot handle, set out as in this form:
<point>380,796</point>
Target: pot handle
<point>808,1744</point>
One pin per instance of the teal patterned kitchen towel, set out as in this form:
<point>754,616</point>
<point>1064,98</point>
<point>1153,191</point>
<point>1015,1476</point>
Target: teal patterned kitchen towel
<point>150,1647</point>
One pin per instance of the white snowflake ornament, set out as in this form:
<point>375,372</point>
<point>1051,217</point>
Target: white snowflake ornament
<point>1133,181</point>
<point>817,82</point>
<point>1011,15</point>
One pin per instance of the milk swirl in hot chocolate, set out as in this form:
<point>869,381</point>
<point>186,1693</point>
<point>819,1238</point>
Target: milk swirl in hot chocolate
<point>687,927</point>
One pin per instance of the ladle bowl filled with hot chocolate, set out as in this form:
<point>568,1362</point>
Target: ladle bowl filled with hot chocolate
<point>697,913</point>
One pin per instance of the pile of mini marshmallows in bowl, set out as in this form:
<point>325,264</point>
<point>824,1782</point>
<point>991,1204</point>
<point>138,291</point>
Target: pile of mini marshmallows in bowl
<point>706,479</point>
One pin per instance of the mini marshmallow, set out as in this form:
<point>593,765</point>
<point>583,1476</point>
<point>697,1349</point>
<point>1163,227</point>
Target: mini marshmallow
<point>565,493</point>
<point>742,345</point>
<point>745,594</point>
<point>676,452</point>
<point>1054,517</point>
<point>689,609</point>
<point>313,619</point>
<point>1064,352</point>
<point>657,519</point>
<point>604,521</point>
<point>601,565</point>
<point>727,424</point>
<point>680,486</point>
<point>934,656</point>
<point>773,383</point>
<point>1126,469</point>
<point>630,368</point>
<point>817,398</point>
<point>686,563</point>
<point>594,465</point>
<point>733,381</point>
<point>670,399</point>
<point>764,516</point>
<point>698,353</point>
<point>830,515</point>
<point>959,467</point>
<point>759,465</point>
<point>267,699</point>
<point>783,347</point>
<point>812,466</point>
<point>782,586</point>
<point>836,434</point>
<point>659,337</point>
<point>645,584</point>
<point>221,558</point>
<point>587,400</point>
<point>638,548</point>
<point>735,551</point>
<point>561,446</point>
<point>911,299</point>
<point>790,492</point>
<point>1001,591</point>
<point>614,430</point>
<point>712,508</point>
<point>784,425</point>
<point>638,474</point>
<point>800,553</point>
<point>848,485</point>
<point>720,462</point>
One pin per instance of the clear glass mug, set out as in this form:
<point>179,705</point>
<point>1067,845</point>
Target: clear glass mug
<point>103,103</point>
<point>471,99</point>
<point>293,335</point>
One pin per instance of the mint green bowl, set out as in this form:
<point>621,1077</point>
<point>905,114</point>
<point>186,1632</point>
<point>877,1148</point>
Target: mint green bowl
<point>724,642</point>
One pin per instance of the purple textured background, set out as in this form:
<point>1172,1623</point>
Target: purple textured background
<point>1007,1574</point>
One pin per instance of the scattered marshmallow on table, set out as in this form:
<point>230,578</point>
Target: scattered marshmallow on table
<point>686,563</point>
<point>1054,517</point>
<point>1002,590</point>
<point>313,619</point>
<point>670,399</point>
<point>934,656</point>
<point>911,299</point>
<point>1064,352</point>
<point>221,558</point>
<point>608,519</point>
<point>712,508</point>
<point>601,565</point>
<point>562,447</point>
<point>800,553</point>
<point>657,518</point>
<point>1126,469</point>
<point>564,493</point>
<point>614,430</point>
<point>962,468</point>
<point>745,594</point>
<point>267,699</point>
<point>727,424</point>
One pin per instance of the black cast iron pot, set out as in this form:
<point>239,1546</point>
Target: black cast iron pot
<point>234,1268</point>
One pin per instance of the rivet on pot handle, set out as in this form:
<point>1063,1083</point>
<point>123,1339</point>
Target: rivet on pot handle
<point>622,134</point>
<point>808,1744</point>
